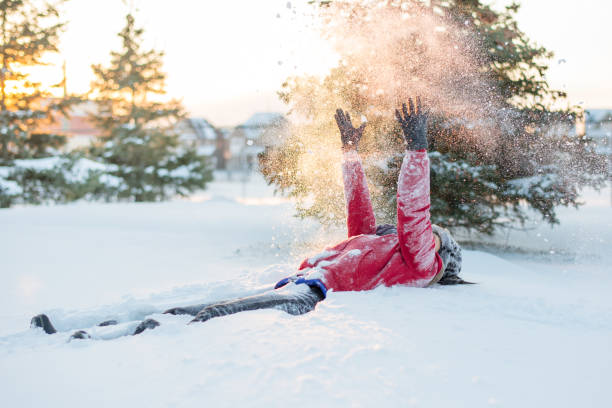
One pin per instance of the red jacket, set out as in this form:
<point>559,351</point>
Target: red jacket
<point>366,260</point>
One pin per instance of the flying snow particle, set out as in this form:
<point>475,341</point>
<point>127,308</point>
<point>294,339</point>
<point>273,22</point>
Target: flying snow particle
<point>562,61</point>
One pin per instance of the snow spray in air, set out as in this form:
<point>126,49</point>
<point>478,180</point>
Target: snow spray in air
<point>388,52</point>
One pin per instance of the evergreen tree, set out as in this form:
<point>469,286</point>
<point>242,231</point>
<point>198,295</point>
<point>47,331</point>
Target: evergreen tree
<point>477,183</point>
<point>137,130</point>
<point>28,31</point>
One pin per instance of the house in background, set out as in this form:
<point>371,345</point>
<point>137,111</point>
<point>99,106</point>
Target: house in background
<point>197,132</point>
<point>207,139</point>
<point>230,148</point>
<point>76,126</point>
<point>260,131</point>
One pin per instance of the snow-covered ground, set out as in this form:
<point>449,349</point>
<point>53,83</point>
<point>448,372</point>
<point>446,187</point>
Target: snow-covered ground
<point>535,332</point>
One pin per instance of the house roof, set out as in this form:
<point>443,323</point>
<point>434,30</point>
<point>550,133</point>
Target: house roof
<point>263,119</point>
<point>203,128</point>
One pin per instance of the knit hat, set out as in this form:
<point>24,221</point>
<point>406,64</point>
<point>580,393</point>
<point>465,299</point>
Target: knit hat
<point>450,252</point>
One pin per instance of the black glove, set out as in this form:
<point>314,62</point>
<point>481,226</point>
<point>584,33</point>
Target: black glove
<point>414,125</point>
<point>349,135</point>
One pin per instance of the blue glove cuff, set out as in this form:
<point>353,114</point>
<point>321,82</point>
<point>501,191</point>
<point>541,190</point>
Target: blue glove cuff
<point>313,283</point>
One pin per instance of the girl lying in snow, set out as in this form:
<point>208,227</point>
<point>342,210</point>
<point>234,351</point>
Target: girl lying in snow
<point>415,253</point>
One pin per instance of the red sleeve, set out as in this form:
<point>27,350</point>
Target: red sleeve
<point>360,216</point>
<point>413,225</point>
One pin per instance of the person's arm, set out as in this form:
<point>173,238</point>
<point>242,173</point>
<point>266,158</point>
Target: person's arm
<point>360,216</point>
<point>414,230</point>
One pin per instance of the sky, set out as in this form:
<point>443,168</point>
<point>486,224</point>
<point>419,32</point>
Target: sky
<point>580,35</point>
<point>227,59</point>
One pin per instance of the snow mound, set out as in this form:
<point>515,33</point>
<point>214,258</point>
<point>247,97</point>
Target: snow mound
<point>530,336</point>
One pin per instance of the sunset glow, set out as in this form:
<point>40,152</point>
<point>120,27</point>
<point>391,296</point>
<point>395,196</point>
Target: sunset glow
<point>226,60</point>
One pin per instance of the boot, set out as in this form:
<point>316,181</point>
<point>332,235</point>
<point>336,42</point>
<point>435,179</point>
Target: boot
<point>42,321</point>
<point>144,325</point>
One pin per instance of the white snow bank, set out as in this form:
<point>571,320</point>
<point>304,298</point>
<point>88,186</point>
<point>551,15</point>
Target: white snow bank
<point>528,337</point>
<point>504,342</point>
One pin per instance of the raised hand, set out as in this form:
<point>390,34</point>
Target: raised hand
<point>414,125</point>
<point>348,134</point>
